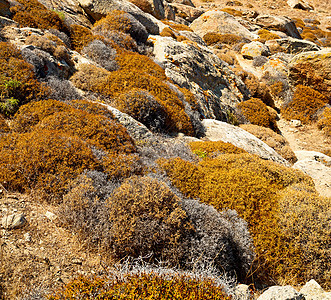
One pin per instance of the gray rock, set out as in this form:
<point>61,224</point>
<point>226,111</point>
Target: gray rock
<point>153,7</point>
<point>254,49</point>
<point>283,24</point>
<point>97,9</point>
<point>137,130</point>
<point>242,292</point>
<point>317,166</point>
<point>313,291</point>
<point>187,12</point>
<point>292,45</point>
<point>13,221</point>
<point>185,2</point>
<point>220,22</point>
<point>220,131</point>
<point>7,22</point>
<point>198,69</point>
<point>193,37</point>
<point>4,8</point>
<point>300,4</point>
<point>169,12</point>
<point>281,293</point>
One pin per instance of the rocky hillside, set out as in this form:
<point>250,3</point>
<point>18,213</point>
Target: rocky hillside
<point>165,149</point>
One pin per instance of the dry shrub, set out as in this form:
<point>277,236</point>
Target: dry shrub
<point>324,121</point>
<point>167,32</point>
<point>101,54</point>
<point>61,89</point>
<point>145,285</point>
<point>232,11</point>
<point>31,13</point>
<point>267,35</point>
<point>273,140</point>
<point>228,182</point>
<point>176,26</point>
<point>212,149</point>
<point>259,90</point>
<point>3,125</point>
<point>212,38</point>
<point>257,113</point>
<point>92,108</point>
<point>121,21</point>
<point>115,83</point>
<point>143,107</point>
<point>304,105</point>
<point>43,160</point>
<point>96,130</point>
<point>305,221</point>
<point>18,82</point>
<point>146,218</point>
<point>80,37</point>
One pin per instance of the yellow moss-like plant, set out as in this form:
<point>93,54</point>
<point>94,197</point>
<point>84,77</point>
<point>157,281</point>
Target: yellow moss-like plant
<point>249,185</point>
<point>144,286</point>
<point>212,38</point>
<point>256,112</point>
<point>267,35</point>
<point>304,105</point>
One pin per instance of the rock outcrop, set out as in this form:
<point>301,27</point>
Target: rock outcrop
<point>254,49</point>
<point>196,68</point>
<point>312,69</point>
<point>220,131</point>
<point>220,22</point>
<point>281,293</point>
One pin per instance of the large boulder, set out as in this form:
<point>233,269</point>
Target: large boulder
<point>153,7</point>
<point>198,69</point>
<point>300,4</point>
<point>281,293</point>
<point>312,69</point>
<point>220,131</point>
<point>97,9</point>
<point>294,46</point>
<point>283,24</point>
<point>4,8</point>
<point>220,22</point>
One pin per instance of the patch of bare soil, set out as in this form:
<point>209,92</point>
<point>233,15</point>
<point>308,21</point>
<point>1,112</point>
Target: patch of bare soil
<point>41,256</point>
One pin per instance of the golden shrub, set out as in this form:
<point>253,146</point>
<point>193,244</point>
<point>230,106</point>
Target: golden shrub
<point>232,11</point>
<point>80,37</point>
<point>31,13</point>
<point>92,108</point>
<point>178,27</point>
<point>304,105</point>
<point>304,218</point>
<point>213,149</point>
<point>324,121</point>
<point>249,185</point>
<point>43,160</point>
<point>116,20</point>
<point>168,32</point>
<point>257,113</point>
<point>144,285</point>
<point>273,140</point>
<point>212,38</point>
<point>144,5</point>
<point>146,218</point>
<point>267,35</point>
<point>3,125</point>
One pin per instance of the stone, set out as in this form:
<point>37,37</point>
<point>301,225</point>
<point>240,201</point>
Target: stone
<point>51,216</point>
<point>4,8</point>
<point>197,68</point>
<point>185,2</point>
<point>312,69</point>
<point>242,292</point>
<point>281,293</point>
<point>188,13</point>
<point>13,221</point>
<point>192,36</point>
<point>317,166</point>
<point>27,237</point>
<point>153,7</point>
<point>300,4</point>
<point>7,22</point>
<point>220,22</point>
<point>221,131</point>
<point>97,9</point>
<point>137,130</point>
<point>283,24</point>
<point>313,291</point>
<point>169,12</point>
<point>294,46</point>
<point>254,49</point>
<point>295,123</point>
